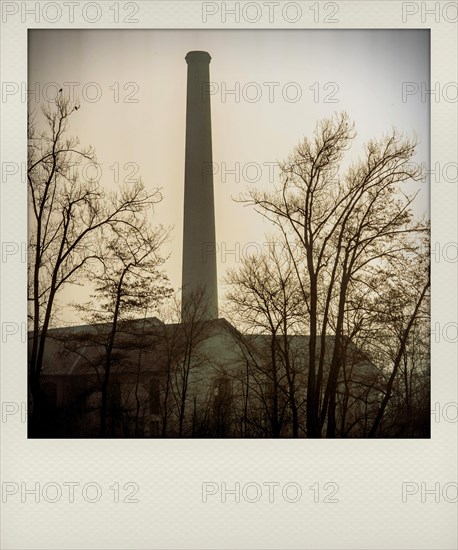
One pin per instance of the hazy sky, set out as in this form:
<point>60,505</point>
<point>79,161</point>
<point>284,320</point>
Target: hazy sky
<point>285,81</point>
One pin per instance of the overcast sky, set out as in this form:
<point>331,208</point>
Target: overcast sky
<point>131,85</point>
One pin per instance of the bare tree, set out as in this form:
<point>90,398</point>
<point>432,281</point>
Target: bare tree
<point>401,312</point>
<point>265,298</point>
<point>128,282</point>
<point>66,216</point>
<point>387,320</point>
<point>345,223</point>
<point>180,343</point>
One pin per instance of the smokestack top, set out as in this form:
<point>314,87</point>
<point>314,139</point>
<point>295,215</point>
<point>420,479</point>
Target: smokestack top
<point>198,57</point>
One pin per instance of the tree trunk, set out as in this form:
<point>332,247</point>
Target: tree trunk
<point>275,423</point>
<point>313,428</point>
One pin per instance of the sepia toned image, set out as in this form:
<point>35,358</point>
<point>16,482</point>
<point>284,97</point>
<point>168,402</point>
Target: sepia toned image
<point>228,234</point>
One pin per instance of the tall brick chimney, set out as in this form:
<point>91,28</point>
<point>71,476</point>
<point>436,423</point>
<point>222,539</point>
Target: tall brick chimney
<point>199,243</point>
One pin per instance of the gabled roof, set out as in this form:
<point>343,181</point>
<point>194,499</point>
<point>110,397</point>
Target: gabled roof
<point>140,345</point>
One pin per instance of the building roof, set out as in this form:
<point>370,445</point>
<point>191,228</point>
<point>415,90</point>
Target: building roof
<point>140,345</point>
<point>149,345</point>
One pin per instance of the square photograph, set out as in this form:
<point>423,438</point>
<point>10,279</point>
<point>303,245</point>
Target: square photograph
<point>228,233</point>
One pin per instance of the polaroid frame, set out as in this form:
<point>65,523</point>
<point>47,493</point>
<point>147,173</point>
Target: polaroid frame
<point>316,494</point>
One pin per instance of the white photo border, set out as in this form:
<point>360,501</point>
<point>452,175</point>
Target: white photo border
<point>398,494</point>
